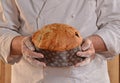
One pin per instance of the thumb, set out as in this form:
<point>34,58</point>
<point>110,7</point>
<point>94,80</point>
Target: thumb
<point>86,44</point>
<point>28,43</point>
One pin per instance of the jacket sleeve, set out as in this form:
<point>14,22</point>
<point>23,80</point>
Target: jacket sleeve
<point>108,12</point>
<point>9,26</point>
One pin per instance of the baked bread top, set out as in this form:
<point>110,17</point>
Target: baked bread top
<point>57,37</point>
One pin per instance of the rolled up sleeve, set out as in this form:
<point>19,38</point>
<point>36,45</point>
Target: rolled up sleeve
<point>109,26</point>
<point>9,26</point>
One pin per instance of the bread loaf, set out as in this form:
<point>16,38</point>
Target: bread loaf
<point>57,37</point>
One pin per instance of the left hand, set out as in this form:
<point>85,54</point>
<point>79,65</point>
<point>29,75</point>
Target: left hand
<point>88,51</point>
<point>29,54</point>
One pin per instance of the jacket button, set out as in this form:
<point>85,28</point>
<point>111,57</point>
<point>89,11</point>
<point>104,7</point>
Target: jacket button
<point>73,15</point>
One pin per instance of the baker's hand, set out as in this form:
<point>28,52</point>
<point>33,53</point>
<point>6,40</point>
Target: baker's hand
<point>88,51</point>
<point>29,54</point>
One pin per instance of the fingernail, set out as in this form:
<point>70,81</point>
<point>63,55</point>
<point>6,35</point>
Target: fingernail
<point>76,65</point>
<point>44,65</point>
<point>78,54</point>
<point>42,56</point>
<point>31,48</point>
<point>84,48</point>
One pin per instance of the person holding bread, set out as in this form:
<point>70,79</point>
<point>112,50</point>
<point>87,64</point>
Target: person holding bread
<point>59,41</point>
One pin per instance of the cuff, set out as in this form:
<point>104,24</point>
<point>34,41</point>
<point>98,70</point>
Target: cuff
<point>110,40</point>
<point>5,43</point>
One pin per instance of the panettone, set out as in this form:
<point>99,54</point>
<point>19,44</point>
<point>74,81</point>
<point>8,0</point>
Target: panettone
<point>59,43</point>
<point>57,37</point>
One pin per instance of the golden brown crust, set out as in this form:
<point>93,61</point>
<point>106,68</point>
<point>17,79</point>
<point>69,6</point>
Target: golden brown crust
<point>57,37</point>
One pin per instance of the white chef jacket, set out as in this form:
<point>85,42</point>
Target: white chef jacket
<point>24,17</point>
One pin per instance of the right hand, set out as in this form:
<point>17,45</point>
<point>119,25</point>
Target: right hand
<point>29,54</point>
<point>88,51</point>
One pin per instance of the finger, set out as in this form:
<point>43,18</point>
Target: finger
<point>86,44</point>
<point>83,63</point>
<point>83,54</point>
<point>35,54</point>
<point>38,63</point>
<point>35,62</point>
<point>27,42</point>
<point>86,53</point>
